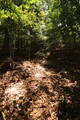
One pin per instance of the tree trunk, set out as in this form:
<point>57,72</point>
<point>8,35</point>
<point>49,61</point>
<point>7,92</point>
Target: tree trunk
<point>6,42</point>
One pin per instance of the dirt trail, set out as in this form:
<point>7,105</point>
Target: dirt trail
<point>31,92</point>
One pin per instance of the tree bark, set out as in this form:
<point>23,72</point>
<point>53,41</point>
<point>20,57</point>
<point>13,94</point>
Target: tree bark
<point>6,43</point>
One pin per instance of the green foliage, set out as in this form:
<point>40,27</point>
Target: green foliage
<point>63,22</point>
<point>50,21</point>
<point>24,21</point>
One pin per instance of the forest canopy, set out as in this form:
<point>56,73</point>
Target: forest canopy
<point>25,24</point>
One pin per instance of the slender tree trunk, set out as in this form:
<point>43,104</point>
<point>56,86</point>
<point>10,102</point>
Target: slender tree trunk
<point>6,41</point>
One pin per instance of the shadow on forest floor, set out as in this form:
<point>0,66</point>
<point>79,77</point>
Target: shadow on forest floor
<point>66,62</point>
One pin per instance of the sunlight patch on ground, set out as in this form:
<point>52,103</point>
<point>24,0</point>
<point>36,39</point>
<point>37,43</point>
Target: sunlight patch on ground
<point>15,91</point>
<point>38,75</point>
<point>39,71</point>
<point>39,67</point>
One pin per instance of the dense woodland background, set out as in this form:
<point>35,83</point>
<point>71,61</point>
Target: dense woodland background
<point>33,26</point>
<point>47,32</point>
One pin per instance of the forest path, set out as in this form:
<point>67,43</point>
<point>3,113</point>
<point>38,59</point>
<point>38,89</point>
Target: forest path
<point>31,92</point>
